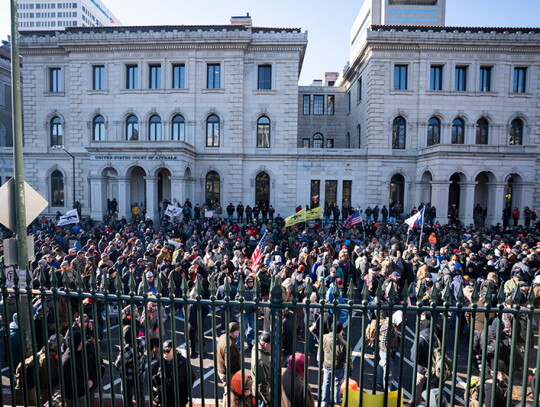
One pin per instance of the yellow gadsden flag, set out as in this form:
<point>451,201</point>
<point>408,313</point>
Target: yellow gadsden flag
<point>298,217</point>
<point>315,213</point>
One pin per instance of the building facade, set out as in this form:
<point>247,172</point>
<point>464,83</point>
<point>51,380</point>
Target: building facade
<point>449,116</point>
<point>443,115</point>
<point>37,15</point>
<point>208,113</point>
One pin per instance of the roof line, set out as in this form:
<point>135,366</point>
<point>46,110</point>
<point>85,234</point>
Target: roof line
<point>453,28</point>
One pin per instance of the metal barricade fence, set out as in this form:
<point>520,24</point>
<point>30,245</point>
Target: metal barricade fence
<point>469,355</point>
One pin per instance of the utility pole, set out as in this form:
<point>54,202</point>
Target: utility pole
<point>18,165</point>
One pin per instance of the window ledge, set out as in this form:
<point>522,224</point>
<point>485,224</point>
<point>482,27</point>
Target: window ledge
<point>438,92</point>
<point>54,94</point>
<point>98,92</point>
<point>401,92</point>
<point>490,93</point>
<point>264,91</point>
<point>220,90</point>
<point>519,95</point>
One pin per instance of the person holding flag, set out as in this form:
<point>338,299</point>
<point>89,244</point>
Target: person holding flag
<point>257,255</point>
<point>416,220</point>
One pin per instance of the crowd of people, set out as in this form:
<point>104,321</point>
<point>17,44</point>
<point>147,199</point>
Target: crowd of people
<point>377,253</point>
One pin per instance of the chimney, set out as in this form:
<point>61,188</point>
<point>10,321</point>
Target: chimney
<point>242,20</point>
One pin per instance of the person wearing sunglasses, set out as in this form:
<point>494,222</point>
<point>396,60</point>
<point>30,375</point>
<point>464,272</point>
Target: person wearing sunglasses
<point>164,379</point>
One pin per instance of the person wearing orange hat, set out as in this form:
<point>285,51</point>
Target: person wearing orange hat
<point>241,394</point>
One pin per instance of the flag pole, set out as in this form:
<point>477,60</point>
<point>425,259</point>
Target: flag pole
<point>407,242</point>
<point>421,229</point>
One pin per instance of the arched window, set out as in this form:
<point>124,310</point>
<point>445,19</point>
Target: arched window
<point>132,128</point>
<point>516,132</point>
<point>57,188</point>
<point>212,188</point>
<point>458,131</point>
<point>399,133</point>
<point>154,131</point>
<point>178,128</point>
<point>98,128</point>
<point>318,140</point>
<point>263,132</point>
<point>212,131</point>
<point>348,140</point>
<point>56,131</point>
<point>482,131</point>
<point>434,132</point>
<point>397,192</point>
<point>262,189</point>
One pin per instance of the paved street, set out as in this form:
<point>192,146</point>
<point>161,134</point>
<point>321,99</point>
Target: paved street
<point>207,385</point>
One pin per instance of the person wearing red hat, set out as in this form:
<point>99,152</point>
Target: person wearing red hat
<point>293,375</point>
<point>241,394</point>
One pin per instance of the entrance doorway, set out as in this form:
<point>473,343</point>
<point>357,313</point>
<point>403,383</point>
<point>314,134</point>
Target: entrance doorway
<point>262,189</point>
<point>397,192</point>
<point>137,186</point>
<point>164,185</point>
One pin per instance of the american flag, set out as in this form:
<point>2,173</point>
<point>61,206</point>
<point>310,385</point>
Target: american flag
<point>257,255</point>
<point>353,219</point>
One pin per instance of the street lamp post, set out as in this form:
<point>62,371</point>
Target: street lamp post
<point>59,147</point>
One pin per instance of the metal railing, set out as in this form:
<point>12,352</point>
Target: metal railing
<point>471,353</point>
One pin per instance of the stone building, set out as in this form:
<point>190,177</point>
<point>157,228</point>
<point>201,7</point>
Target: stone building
<point>448,115</point>
<point>151,113</point>
<point>445,115</point>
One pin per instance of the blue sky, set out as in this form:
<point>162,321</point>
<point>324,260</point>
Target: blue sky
<point>328,22</point>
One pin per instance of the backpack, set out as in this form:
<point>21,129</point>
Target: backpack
<point>441,365</point>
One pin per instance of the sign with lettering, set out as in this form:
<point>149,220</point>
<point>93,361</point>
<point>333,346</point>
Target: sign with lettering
<point>135,157</point>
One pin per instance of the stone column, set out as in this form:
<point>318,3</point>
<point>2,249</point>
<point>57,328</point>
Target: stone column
<point>178,185</point>
<point>527,192</point>
<point>97,199</point>
<point>439,199</point>
<point>446,133</point>
<point>466,201</point>
<point>408,195</point>
<point>124,207</point>
<point>151,198</point>
<point>495,202</point>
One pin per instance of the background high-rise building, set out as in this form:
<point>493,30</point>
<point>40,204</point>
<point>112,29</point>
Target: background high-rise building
<point>36,15</point>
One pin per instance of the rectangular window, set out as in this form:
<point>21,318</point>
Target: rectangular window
<point>520,80</point>
<point>315,193</point>
<point>346,199</point>
<point>98,77</point>
<point>359,90</point>
<point>329,143</point>
<point>154,80</point>
<point>400,77</point>
<point>132,77</point>
<point>330,105</point>
<point>265,77</point>
<point>330,192</point>
<point>306,104</point>
<point>436,77</point>
<point>318,104</point>
<point>349,101</point>
<point>55,80</point>
<point>213,76</point>
<point>461,78</point>
<point>305,143</point>
<point>485,79</point>
<point>179,76</point>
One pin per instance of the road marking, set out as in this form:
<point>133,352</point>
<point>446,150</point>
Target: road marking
<point>206,376</point>
<point>347,321</point>
<point>410,331</point>
<point>405,392</point>
<point>210,330</point>
<point>4,369</point>
<point>107,387</point>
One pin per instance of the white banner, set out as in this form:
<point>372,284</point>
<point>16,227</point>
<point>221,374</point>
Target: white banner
<point>71,217</point>
<point>208,214</point>
<point>173,211</point>
<point>173,243</point>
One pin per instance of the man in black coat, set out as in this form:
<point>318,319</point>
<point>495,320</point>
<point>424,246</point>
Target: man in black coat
<point>76,396</point>
<point>163,380</point>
